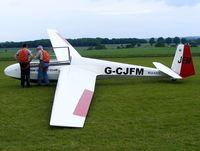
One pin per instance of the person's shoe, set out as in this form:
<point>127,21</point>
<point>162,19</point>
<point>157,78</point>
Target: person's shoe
<point>22,86</point>
<point>28,86</point>
<point>39,84</point>
<point>47,85</point>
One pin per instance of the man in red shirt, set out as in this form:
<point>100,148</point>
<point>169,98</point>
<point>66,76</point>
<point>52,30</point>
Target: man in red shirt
<point>44,59</point>
<point>24,57</point>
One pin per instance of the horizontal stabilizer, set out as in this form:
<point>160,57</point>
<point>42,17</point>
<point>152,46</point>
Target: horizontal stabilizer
<point>167,70</point>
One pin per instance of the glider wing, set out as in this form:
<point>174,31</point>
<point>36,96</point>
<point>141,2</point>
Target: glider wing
<point>61,46</point>
<point>72,99</point>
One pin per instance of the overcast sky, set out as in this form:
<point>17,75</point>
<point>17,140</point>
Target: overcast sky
<point>23,20</point>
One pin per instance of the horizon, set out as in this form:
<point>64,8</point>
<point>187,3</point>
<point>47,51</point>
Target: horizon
<point>187,37</point>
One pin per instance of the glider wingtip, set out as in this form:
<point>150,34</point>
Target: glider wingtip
<point>156,62</point>
<point>66,126</point>
<point>49,30</point>
<point>61,124</point>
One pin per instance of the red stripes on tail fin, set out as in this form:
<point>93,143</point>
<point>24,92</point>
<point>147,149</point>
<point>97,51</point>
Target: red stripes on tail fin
<point>187,67</point>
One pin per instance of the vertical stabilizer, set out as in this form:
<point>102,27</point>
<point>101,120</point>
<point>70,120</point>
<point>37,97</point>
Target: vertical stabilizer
<point>182,63</point>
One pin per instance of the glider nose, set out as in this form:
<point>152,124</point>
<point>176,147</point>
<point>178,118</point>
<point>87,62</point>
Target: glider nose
<point>12,71</point>
<point>7,71</point>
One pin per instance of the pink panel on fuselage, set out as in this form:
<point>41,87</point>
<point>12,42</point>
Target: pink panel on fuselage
<point>84,103</point>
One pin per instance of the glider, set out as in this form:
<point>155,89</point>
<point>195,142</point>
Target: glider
<point>76,76</point>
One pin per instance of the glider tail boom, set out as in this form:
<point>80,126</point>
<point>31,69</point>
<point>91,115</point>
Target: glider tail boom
<point>182,63</point>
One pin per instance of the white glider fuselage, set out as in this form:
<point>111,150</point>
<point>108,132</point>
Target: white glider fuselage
<point>103,69</point>
<point>109,69</point>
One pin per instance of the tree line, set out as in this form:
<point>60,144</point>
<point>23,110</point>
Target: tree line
<point>161,42</point>
<point>90,42</point>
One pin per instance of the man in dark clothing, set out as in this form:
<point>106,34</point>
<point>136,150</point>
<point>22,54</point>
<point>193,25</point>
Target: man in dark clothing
<point>24,57</point>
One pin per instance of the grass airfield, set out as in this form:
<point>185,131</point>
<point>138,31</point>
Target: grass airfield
<point>125,114</point>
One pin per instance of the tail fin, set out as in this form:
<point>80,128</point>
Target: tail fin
<point>182,63</point>
<point>61,46</point>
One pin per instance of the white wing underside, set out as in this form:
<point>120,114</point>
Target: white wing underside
<point>73,95</point>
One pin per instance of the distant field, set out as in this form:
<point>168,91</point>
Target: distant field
<point>112,53</point>
<point>135,52</point>
<point>125,114</point>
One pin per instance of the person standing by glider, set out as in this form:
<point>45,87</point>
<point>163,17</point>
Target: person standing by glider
<point>44,59</point>
<point>24,57</point>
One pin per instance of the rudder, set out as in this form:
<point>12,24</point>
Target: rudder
<point>182,63</point>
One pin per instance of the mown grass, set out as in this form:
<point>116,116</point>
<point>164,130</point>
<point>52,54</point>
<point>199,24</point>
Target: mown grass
<point>125,114</point>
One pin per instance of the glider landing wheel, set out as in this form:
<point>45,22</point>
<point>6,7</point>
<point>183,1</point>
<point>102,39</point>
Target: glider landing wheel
<point>173,80</point>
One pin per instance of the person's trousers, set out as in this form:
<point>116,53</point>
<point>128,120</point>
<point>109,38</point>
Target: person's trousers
<point>42,73</point>
<point>25,74</point>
